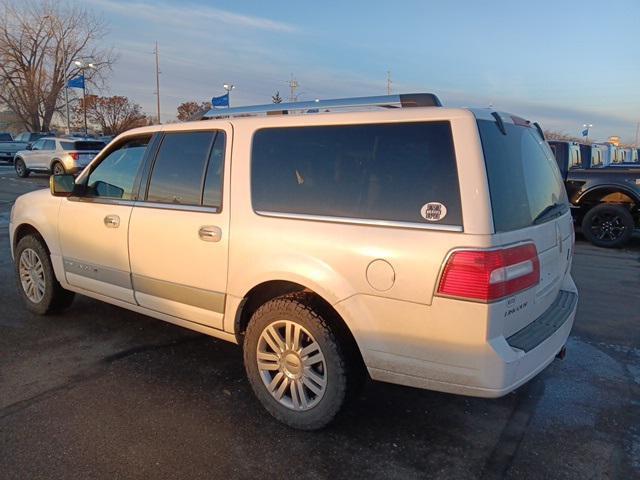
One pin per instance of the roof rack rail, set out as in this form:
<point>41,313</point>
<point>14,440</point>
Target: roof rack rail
<point>388,101</point>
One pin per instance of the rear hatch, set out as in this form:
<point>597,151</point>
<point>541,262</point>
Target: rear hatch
<point>529,204</point>
<point>83,151</point>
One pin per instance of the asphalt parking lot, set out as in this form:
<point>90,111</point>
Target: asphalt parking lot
<point>101,392</point>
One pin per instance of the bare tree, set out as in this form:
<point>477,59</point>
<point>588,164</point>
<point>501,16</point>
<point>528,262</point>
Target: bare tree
<point>554,135</point>
<point>33,61</point>
<point>189,110</point>
<point>113,115</point>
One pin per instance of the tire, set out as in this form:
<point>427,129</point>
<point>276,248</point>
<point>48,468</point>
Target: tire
<point>33,266</point>
<point>608,225</point>
<point>21,169</point>
<point>57,169</point>
<point>324,380</point>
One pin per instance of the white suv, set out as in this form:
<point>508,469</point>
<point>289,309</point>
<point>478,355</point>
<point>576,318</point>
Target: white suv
<point>56,155</point>
<point>430,245</point>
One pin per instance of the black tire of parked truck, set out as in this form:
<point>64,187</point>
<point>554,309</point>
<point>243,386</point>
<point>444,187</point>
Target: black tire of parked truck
<point>21,169</point>
<point>608,225</point>
<point>298,365</point>
<point>35,279</point>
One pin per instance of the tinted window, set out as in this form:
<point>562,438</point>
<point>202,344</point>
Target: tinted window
<point>115,176</point>
<point>524,180</point>
<point>5,137</point>
<point>49,145</point>
<point>179,168</point>
<point>82,146</point>
<point>38,145</point>
<point>212,195</point>
<point>381,172</point>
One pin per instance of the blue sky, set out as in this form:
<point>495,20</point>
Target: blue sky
<point>562,62</point>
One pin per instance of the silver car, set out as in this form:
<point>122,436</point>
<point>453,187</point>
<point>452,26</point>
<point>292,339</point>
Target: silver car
<point>57,156</point>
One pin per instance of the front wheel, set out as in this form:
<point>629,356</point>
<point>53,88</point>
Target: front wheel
<point>608,225</point>
<point>37,283</point>
<point>295,363</point>
<point>21,169</point>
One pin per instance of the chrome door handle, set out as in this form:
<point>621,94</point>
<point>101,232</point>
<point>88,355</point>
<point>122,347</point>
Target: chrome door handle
<point>210,233</point>
<point>112,221</point>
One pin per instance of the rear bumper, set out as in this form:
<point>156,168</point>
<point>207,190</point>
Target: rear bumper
<point>488,368</point>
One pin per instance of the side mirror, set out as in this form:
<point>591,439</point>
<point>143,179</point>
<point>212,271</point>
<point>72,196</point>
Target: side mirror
<point>29,147</point>
<point>62,185</point>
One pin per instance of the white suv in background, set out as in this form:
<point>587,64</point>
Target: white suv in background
<point>431,246</point>
<point>56,155</point>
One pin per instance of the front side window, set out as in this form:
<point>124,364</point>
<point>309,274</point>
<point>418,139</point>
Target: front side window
<point>115,175</point>
<point>39,145</point>
<point>403,172</point>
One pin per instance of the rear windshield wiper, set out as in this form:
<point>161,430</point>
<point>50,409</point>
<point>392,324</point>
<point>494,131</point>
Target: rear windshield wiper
<point>554,210</point>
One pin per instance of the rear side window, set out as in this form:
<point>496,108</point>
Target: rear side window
<point>49,145</point>
<point>397,172</point>
<point>179,168</point>
<point>524,181</point>
<point>82,146</point>
<point>212,195</point>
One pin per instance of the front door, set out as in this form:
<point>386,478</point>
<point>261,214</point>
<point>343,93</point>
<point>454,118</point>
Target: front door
<point>179,234</point>
<point>93,226</point>
<point>35,158</point>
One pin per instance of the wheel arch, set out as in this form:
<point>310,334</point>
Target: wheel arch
<point>25,229</point>
<point>268,290</point>
<point>598,194</point>
<point>54,161</point>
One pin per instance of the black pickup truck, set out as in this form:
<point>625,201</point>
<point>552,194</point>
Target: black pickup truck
<point>605,201</point>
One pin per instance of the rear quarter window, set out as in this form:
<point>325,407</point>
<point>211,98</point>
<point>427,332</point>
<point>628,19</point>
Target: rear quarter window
<point>388,172</point>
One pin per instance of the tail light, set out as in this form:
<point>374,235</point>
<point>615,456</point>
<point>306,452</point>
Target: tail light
<point>489,275</point>
<point>74,155</point>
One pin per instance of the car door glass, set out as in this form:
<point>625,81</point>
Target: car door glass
<point>115,175</point>
<point>39,145</point>
<point>49,145</point>
<point>179,168</point>
<point>212,195</point>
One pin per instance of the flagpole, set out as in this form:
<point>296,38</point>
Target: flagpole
<point>84,103</point>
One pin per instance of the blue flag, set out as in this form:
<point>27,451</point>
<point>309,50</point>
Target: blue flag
<point>585,132</point>
<point>77,82</point>
<point>222,101</point>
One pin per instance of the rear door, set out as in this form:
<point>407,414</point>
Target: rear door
<point>529,204</point>
<point>179,234</point>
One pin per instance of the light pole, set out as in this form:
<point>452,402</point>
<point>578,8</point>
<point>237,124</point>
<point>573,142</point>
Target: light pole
<point>585,131</point>
<point>228,87</point>
<point>64,66</point>
<point>83,67</point>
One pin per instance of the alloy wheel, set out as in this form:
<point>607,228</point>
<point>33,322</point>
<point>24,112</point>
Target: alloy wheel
<point>291,365</point>
<point>32,275</point>
<point>58,169</point>
<point>608,226</point>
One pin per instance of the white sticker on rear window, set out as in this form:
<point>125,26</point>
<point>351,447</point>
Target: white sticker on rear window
<point>433,211</point>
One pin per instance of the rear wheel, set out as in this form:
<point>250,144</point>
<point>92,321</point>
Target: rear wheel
<point>21,169</point>
<point>37,283</point>
<point>295,362</point>
<point>58,169</point>
<point>608,225</point>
